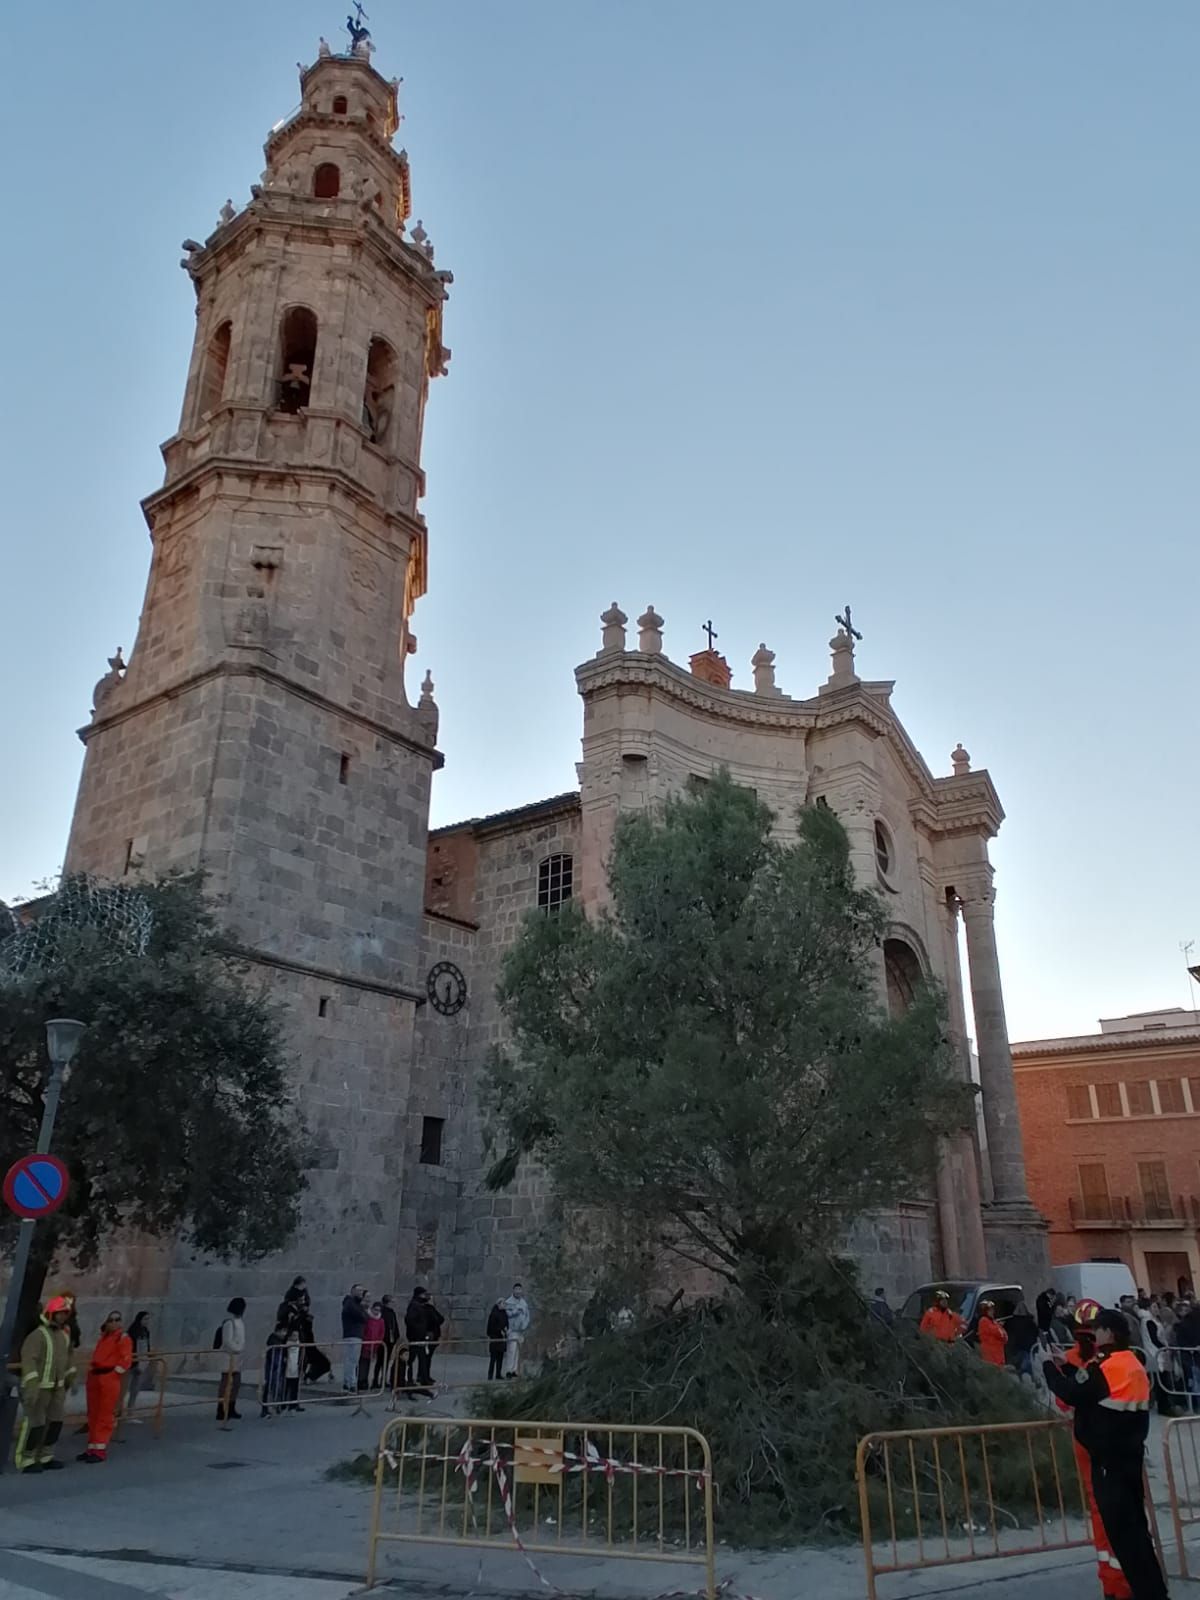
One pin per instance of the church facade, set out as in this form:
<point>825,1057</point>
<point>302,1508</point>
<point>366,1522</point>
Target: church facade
<point>263,731</point>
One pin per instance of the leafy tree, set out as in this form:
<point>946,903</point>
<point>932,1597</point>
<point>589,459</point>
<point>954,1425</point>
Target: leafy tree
<point>177,1114</point>
<point>709,1059</point>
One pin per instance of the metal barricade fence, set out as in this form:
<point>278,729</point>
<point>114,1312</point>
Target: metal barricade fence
<point>1181,1460</point>
<point>947,1496</point>
<point>631,1493</point>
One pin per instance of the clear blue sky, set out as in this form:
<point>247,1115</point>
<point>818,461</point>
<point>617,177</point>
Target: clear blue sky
<point>758,308</point>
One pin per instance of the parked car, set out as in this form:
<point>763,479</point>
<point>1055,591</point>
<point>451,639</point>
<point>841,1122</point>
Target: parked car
<point>965,1295</point>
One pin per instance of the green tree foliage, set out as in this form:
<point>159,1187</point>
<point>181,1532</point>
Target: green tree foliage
<point>177,1114</point>
<point>709,1059</point>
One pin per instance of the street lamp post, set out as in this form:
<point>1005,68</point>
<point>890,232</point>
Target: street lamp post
<point>62,1041</point>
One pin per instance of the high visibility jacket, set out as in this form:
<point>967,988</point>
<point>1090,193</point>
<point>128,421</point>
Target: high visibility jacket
<point>46,1359</point>
<point>113,1354</point>
<point>992,1341</point>
<point>941,1323</point>
<point>1110,1396</point>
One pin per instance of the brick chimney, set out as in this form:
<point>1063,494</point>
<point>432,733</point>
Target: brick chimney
<point>711,667</point>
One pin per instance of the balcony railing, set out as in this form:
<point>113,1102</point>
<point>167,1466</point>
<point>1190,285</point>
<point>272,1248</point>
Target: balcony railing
<point>1119,1211</point>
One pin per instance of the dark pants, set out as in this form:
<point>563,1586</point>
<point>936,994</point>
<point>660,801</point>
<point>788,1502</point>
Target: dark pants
<point>496,1358</point>
<point>231,1383</point>
<point>420,1360</point>
<point>1117,1486</point>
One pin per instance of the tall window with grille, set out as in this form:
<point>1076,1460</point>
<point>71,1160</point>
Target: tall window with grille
<point>1141,1101</point>
<point>1156,1193</point>
<point>1093,1191</point>
<point>555,882</point>
<point>1079,1102</point>
<point>1170,1097</point>
<point>1108,1099</point>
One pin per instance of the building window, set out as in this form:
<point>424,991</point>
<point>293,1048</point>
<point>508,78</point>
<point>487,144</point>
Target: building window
<point>1170,1097</point>
<point>1141,1101</point>
<point>1156,1195</point>
<point>327,180</point>
<point>431,1141</point>
<point>344,769</point>
<point>297,358</point>
<point>339,105</point>
<point>555,875</point>
<point>323,1006</point>
<point>1108,1100</point>
<point>883,849</point>
<point>1079,1102</point>
<point>1093,1190</point>
<point>1194,1087</point>
<point>216,365</point>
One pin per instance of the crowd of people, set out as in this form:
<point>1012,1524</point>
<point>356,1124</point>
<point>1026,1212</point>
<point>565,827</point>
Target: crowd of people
<point>1107,1367</point>
<point>380,1348</point>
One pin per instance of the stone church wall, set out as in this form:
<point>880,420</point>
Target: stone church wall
<point>496,1233</point>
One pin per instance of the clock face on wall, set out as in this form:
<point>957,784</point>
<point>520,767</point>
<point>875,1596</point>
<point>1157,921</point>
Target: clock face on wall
<point>446,988</point>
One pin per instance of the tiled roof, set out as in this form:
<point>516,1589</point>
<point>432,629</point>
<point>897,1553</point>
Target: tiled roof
<point>500,819</point>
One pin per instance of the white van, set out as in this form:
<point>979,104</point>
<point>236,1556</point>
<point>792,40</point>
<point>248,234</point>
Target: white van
<point>1102,1281</point>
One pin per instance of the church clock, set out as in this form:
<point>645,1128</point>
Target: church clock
<point>446,988</point>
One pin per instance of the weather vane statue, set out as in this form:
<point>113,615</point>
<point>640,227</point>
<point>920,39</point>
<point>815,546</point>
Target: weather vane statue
<point>354,26</point>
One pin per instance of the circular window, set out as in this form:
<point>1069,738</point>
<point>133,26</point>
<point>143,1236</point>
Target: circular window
<point>883,849</point>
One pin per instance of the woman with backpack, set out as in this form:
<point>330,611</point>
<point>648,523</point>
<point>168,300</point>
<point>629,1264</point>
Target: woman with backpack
<point>230,1340</point>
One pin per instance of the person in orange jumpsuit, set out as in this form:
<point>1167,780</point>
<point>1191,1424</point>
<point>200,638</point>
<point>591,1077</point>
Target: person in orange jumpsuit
<point>1113,1583</point>
<point>939,1322</point>
<point>993,1340</point>
<point>111,1360</point>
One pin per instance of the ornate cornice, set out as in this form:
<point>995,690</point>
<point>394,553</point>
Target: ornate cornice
<point>251,669</point>
<point>863,704</point>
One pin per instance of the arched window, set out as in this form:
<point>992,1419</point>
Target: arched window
<point>902,967</point>
<point>340,106</point>
<point>555,875</point>
<point>216,365</point>
<point>327,180</point>
<point>379,390</point>
<point>297,358</point>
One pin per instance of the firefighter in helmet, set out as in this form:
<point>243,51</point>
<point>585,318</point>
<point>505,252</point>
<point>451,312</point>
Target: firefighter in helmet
<point>1108,1388</point>
<point>940,1322</point>
<point>47,1372</point>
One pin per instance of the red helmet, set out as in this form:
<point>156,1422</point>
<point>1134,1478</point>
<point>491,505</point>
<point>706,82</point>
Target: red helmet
<point>58,1302</point>
<point>1086,1312</point>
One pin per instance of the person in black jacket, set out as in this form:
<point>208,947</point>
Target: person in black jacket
<point>354,1322</point>
<point>391,1340</point>
<point>423,1327</point>
<point>497,1333</point>
<point>1111,1400</point>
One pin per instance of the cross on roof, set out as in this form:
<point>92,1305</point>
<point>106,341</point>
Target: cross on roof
<point>712,633</point>
<point>354,24</point>
<point>847,625</point>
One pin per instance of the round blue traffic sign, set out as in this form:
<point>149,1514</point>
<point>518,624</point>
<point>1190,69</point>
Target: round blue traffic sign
<point>35,1186</point>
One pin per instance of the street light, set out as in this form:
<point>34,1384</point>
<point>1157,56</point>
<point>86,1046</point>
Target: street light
<point>62,1041</point>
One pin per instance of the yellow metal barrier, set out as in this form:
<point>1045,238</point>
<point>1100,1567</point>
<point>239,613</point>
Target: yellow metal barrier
<point>954,1495</point>
<point>1181,1458</point>
<point>632,1493</point>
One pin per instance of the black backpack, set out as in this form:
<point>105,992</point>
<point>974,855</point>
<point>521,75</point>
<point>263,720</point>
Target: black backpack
<point>218,1337</point>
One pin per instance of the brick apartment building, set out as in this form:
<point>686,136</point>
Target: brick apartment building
<point>1112,1143</point>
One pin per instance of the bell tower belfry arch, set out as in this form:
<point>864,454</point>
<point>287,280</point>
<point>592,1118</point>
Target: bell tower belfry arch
<point>262,730</point>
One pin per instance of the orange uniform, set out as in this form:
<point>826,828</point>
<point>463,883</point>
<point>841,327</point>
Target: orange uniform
<point>942,1323</point>
<point>111,1359</point>
<point>1113,1582</point>
<point>992,1341</point>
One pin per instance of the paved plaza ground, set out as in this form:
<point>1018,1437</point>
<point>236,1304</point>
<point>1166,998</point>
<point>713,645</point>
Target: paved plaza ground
<point>203,1514</point>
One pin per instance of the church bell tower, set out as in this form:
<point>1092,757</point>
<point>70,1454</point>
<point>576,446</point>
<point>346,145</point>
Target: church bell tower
<point>262,730</point>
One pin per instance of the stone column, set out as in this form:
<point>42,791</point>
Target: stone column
<point>1006,1155</point>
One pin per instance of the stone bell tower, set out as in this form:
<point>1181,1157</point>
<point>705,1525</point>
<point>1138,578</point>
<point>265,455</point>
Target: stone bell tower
<point>261,730</point>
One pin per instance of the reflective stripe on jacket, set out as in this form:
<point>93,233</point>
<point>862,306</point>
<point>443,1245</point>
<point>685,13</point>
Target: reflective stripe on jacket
<point>46,1358</point>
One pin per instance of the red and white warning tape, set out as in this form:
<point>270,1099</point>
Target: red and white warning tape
<point>469,1464</point>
